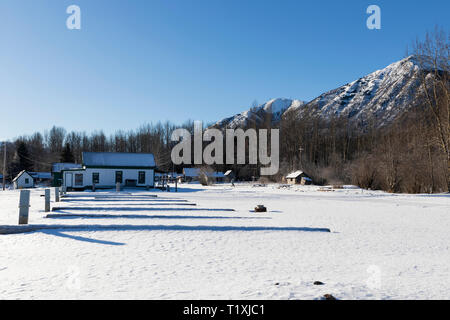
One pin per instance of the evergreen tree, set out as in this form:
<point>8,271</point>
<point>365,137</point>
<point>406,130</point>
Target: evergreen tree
<point>22,159</point>
<point>67,155</point>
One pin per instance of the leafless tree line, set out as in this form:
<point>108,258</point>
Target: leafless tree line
<point>409,155</point>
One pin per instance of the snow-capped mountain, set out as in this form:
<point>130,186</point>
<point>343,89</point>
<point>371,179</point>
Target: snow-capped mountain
<point>275,108</point>
<point>381,96</point>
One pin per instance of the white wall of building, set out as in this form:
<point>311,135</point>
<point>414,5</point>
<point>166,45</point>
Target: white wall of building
<point>107,177</point>
<point>24,181</point>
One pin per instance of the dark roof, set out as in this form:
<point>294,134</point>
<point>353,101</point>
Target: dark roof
<point>116,159</point>
<point>40,175</point>
<point>60,166</point>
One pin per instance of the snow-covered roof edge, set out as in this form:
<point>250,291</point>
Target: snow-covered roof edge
<point>21,173</point>
<point>118,159</point>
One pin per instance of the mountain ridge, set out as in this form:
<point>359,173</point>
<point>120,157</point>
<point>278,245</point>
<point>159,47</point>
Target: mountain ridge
<point>380,96</point>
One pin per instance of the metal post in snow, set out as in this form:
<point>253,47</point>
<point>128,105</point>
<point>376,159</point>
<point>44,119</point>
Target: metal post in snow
<point>47,200</point>
<point>24,206</point>
<point>57,194</point>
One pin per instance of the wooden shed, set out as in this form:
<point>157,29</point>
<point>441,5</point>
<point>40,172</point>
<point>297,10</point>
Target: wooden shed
<point>298,177</point>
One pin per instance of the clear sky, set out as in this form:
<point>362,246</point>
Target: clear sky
<point>140,61</point>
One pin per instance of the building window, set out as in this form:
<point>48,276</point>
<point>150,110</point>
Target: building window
<point>95,177</point>
<point>78,179</point>
<point>119,176</point>
<point>141,177</point>
<point>27,181</point>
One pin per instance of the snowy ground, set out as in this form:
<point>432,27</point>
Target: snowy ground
<point>131,246</point>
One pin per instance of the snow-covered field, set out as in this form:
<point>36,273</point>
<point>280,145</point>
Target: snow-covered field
<point>132,246</point>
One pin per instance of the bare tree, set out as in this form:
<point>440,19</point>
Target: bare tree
<point>432,55</point>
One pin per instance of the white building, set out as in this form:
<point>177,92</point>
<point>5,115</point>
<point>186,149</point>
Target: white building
<point>105,169</point>
<point>23,180</point>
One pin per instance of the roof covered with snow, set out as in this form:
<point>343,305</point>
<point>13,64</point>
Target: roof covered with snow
<point>294,175</point>
<point>22,173</point>
<point>41,175</point>
<point>194,172</point>
<point>58,167</point>
<point>191,172</point>
<point>118,160</point>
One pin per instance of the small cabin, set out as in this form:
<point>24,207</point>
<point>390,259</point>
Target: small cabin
<point>193,174</point>
<point>41,178</point>
<point>23,180</point>
<point>190,174</point>
<point>298,177</point>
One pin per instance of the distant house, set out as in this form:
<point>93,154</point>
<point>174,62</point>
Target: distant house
<point>23,180</point>
<point>298,177</point>
<point>105,169</point>
<point>192,174</point>
<point>44,178</point>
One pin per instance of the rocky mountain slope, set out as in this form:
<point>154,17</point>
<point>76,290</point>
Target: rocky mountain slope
<point>276,108</point>
<point>381,96</point>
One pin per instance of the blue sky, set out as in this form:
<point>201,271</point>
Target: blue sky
<point>139,61</point>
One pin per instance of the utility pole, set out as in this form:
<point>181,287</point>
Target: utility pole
<point>4,165</point>
<point>300,150</point>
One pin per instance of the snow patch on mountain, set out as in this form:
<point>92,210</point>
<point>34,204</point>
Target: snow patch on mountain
<point>379,97</point>
<point>275,108</point>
